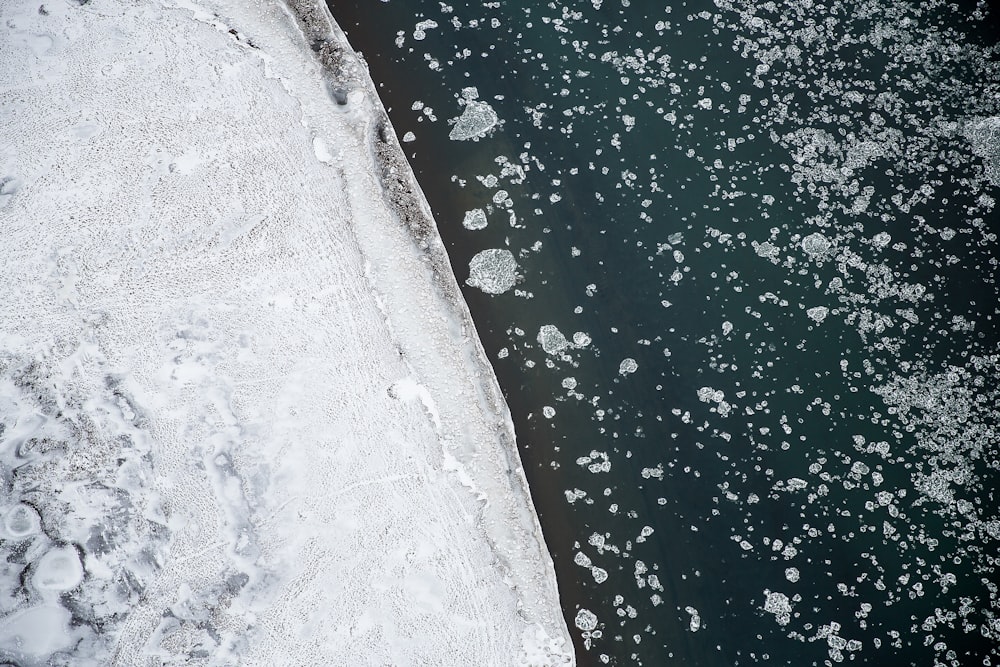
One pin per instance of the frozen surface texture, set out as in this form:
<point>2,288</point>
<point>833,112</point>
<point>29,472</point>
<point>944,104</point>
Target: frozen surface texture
<point>245,416</point>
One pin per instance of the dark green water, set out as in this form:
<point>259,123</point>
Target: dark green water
<point>784,215</point>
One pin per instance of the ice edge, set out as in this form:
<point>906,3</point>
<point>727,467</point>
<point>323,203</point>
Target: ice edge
<point>345,70</point>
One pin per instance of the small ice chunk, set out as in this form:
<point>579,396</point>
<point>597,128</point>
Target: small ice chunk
<point>627,366</point>
<point>881,240</point>
<point>419,30</point>
<point>815,244</point>
<point>792,574</point>
<point>475,219</point>
<point>409,136</point>
<point>58,570</point>
<point>695,623</point>
<point>21,521</point>
<point>818,314</point>
<point>494,271</point>
<point>580,339</point>
<point>548,411</point>
<point>779,605</point>
<point>586,620</point>
<point>476,121</point>
<point>551,339</point>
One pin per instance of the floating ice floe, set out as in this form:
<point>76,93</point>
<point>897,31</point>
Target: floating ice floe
<point>475,219</point>
<point>551,339</point>
<point>420,30</point>
<point>493,271</point>
<point>815,245</point>
<point>627,366</point>
<point>695,624</point>
<point>818,314</point>
<point>779,605</point>
<point>476,121</point>
<point>586,620</point>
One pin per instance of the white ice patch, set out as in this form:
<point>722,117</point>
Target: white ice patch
<point>58,570</point>
<point>815,245</point>
<point>586,620</point>
<point>695,623</point>
<point>475,219</point>
<point>322,151</point>
<point>21,521</point>
<point>36,633</point>
<point>818,314</point>
<point>409,389</point>
<point>779,605</point>
<point>420,30</point>
<point>494,271</point>
<point>409,137</point>
<point>551,339</point>
<point>627,366</point>
<point>476,121</point>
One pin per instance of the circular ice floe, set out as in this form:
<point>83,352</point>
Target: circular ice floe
<point>815,244</point>
<point>21,521</point>
<point>475,219</point>
<point>551,339</point>
<point>586,620</point>
<point>494,271</point>
<point>58,570</point>
<point>627,366</point>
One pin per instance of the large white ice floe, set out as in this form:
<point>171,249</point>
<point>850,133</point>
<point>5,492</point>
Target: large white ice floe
<point>494,271</point>
<point>477,120</point>
<point>244,415</point>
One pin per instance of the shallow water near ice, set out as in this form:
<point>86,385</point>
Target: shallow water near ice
<point>751,352</point>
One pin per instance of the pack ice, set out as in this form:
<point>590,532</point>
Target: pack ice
<point>244,415</point>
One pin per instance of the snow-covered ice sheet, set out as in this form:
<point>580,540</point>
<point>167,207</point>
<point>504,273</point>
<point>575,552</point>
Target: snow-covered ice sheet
<point>245,416</point>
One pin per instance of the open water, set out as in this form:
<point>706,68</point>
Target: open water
<point>752,349</point>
